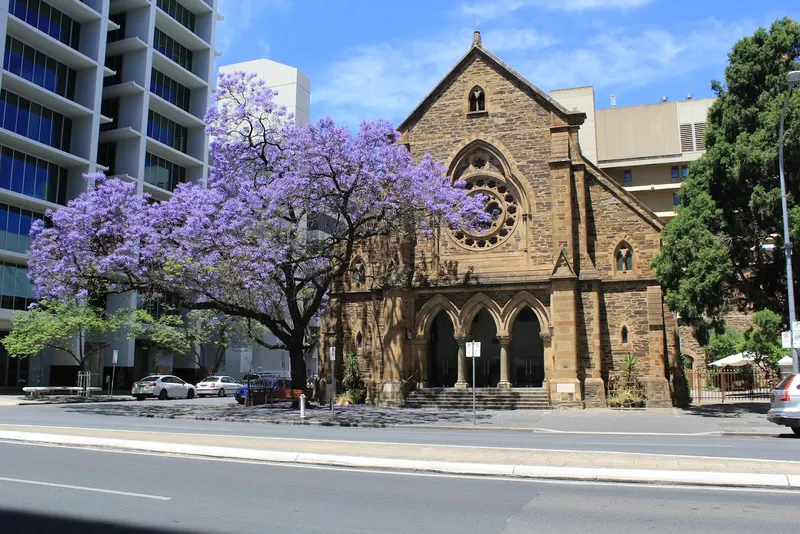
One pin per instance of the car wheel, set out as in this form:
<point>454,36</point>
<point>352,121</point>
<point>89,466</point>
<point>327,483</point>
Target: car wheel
<point>163,395</point>
<point>796,430</point>
<point>240,400</point>
<point>139,398</point>
<point>190,394</point>
<point>221,393</point>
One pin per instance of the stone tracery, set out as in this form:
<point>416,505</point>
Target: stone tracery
<point>485,175</point>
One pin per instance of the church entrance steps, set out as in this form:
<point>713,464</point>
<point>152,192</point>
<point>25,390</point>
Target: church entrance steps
<point>485,398</point>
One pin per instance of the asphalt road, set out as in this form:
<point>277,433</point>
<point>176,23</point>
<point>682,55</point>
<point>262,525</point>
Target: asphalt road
<point>49,489</point>
<point>771,448</point>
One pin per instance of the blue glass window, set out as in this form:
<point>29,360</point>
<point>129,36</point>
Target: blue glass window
<point>48,19</point>
<point>32,176</point>
<point>45,126</point>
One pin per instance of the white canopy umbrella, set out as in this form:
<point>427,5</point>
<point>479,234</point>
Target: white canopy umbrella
<point>735,360</point>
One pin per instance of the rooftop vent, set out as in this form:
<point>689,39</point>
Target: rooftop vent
<point>664,99</point>
<point>689,96</point>
<point>613,101</point>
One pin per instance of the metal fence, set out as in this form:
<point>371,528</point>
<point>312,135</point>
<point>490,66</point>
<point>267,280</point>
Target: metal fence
<point>743,384</point>
<point>85,383</point>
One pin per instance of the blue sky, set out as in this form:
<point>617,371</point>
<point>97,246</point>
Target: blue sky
<point>371,59</point>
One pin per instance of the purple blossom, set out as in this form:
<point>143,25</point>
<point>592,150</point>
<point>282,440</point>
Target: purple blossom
<point>278,220</point>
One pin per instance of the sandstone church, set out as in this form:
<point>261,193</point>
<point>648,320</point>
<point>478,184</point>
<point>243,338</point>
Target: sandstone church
<point>558,287</point>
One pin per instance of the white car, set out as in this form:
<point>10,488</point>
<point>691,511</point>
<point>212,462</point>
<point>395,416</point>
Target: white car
<point>162,387</point>
<point>217,385</point>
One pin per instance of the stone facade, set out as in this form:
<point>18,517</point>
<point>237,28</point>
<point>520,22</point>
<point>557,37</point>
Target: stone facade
<point>558,287</point>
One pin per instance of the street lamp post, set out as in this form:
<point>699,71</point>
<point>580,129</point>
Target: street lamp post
<point>794,80</point>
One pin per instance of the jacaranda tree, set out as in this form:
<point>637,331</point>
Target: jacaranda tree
<point>247,242</point>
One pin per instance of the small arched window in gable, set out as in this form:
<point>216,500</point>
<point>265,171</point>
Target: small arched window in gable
<point>359,340</point>
<point>358,272</point>
<point>624,257</point>
<point>477,100</point>
<point>624,335</point>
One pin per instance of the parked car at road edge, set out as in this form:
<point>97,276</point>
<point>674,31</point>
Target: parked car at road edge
<point>162,387</point>
<point>218,385</point>
<point>785,407</point>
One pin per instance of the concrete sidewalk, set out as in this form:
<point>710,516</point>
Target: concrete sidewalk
<point>489,461</point>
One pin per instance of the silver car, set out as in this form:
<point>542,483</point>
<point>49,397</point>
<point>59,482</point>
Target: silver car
<point>785,409</point>
<point>162,387</point>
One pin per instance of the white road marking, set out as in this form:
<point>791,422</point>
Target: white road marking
<point>357,442</point>
<point>432,475</point>
<point>84,488</point>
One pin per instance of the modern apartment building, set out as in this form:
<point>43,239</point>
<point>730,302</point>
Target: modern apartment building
<point>645,148</point>
<point>114,85</point>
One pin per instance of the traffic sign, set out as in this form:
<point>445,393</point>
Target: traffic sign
<point>333,354</point>
<point>115,357</point>
<point>786,341</point>
<point>473,349</point>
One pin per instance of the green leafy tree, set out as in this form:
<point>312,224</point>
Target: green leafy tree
<point>763,341</point>
<point>74,327</point>
<point>203,336</point>
<point>722,344</point>
<point>711,252</point>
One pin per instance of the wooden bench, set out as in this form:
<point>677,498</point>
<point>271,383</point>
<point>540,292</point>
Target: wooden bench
<point>35,392</point>
<point>286,394</point>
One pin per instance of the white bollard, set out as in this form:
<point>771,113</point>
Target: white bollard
<point>303,406</point>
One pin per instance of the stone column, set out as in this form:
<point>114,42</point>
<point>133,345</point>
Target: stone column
<point>462,363</point>
<point>505,364</point>
<point>594,386</point>
<point>656,385</point>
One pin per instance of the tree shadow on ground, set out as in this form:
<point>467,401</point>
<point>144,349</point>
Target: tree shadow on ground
<point>727,410</point>
<point>19,521</point>
<point>363,415</point>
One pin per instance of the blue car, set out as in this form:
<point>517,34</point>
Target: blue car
<point>260,383</point>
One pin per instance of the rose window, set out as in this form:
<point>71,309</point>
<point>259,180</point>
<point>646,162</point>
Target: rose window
<point>501,205</point>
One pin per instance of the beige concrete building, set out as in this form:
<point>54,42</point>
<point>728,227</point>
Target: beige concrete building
<point>646,149</point>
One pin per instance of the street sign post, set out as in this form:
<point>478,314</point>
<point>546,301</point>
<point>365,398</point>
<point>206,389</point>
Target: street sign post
<point>473,351</point>
<point>333,379</point>
<point>114,358</point>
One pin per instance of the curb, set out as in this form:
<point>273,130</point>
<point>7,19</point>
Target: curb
<point>637,476</point>
<point>528,430</point>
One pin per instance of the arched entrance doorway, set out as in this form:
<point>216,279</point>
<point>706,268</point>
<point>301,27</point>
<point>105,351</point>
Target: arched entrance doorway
<point>442,352</point>
<point>527,350</point>
<point>487,367</point>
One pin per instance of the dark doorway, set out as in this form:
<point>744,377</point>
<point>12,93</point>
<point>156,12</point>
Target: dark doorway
<point>487,367</point>
<point>442,353</point>
<point>527,351</point>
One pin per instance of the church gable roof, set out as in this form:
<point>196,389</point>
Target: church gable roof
<point>477,51</point>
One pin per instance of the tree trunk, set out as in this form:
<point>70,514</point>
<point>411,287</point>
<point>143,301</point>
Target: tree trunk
<point>297,362</point>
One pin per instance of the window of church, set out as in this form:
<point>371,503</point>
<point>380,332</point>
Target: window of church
<point>358,273</point>
<point>501,206</point>
<point>359,341</point>
<point>624,257</point>
<point>624,335</point>
<point>477,100</point>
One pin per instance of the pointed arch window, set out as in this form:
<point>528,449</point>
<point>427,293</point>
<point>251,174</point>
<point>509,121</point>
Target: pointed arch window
<point>359,341</point>
<point>623,255</point>
<point>477,99</point>
<point>624,335</point>
<point>358,272</point>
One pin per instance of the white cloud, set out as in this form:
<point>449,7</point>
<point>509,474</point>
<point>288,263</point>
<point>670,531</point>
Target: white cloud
<point>385,80</point>
<point>619,59</point>
<point>499,8</point>
<point>238,14</point>
<point>240,17</point>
